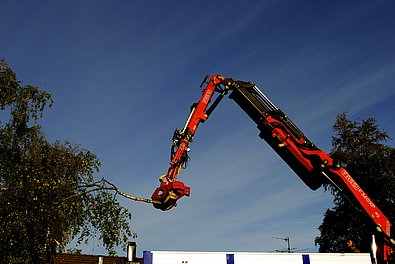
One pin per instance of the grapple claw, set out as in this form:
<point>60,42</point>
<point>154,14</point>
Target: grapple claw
<point>168,194</point>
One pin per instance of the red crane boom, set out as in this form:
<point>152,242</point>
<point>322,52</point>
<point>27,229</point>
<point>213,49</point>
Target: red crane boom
<point>311,164</point>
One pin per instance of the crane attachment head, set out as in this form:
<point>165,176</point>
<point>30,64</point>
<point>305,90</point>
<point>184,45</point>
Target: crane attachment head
<point>168,193</point>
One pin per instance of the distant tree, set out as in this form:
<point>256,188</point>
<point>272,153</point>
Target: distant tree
<point>359,147</point>
<point>48,194</point>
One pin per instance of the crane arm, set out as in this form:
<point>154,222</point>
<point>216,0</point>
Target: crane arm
<point>311,164</point>
<point>170,190</point>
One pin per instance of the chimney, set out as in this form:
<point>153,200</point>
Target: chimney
<point>131,253</point>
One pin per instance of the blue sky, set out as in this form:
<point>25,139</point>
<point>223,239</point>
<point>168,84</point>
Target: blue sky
<point>124,73</point>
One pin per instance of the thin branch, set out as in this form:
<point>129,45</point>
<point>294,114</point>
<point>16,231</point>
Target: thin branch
<point>128,196</point>
<point>104,184</point>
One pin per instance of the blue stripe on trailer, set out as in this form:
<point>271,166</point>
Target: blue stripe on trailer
<point>230,259</point>
<point>306,259</point>
<point>147,257</point>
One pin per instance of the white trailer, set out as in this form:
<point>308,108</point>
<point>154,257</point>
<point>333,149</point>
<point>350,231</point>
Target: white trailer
<point>185,257</point>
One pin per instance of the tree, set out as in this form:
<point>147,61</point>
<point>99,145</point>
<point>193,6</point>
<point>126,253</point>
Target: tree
<point>359,147</point>
<point>48,194</point>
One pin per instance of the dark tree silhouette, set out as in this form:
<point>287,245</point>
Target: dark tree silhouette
<point>359,146</point>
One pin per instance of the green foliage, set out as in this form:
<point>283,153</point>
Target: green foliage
<point>48,195</point>
<point>359,147</point>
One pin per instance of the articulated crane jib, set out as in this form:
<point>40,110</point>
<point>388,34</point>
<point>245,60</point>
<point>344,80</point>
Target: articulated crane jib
<point>310,163</point>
